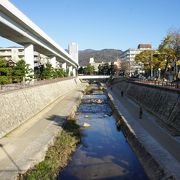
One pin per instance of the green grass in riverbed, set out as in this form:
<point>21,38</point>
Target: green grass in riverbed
<point>57,155</point>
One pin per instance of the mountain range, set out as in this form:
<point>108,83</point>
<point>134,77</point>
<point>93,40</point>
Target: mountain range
<point>105,55</point>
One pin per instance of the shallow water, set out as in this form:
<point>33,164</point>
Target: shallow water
<point>104,152</point>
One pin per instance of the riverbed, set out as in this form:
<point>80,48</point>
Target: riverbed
<point>104,152</point>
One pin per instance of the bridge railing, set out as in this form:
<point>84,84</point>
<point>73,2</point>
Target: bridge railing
<point>93,76</point>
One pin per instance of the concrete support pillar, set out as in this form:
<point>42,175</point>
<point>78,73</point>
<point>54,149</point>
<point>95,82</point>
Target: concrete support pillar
<point>70,70</point>
<point>53,62</point>
<point>74,72</point>
<point>64,66</point>
<point>29,55</point>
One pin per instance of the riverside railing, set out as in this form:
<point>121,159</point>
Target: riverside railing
<point>15,86</point>
<point>174,85</point>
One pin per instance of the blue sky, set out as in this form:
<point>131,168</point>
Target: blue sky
<point>100,24</point>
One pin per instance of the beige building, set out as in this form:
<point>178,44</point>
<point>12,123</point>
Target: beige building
<point>96,64</point>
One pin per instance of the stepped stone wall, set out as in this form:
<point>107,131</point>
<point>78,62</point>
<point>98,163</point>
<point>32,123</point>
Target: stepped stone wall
<point>20,105</point>
<point>162,102</point>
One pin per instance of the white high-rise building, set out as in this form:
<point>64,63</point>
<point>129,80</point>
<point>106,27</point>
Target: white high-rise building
<point>73,51</point>
<point>128,59</point>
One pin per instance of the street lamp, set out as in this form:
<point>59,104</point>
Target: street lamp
<point>151,64</point>
<point>159,75</point>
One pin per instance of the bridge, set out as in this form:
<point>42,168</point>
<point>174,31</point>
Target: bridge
<point>18,28</point>
<point>93,77</point>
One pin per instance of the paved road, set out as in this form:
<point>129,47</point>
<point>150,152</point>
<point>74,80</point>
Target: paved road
<point>27,145</point>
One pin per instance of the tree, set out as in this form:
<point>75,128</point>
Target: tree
<point>38,70</point>
<point>124,68</point>
<point>150,60</point>
<point>47,71</point>
<point>170,50</point>
<point>19,71</point>
<point>106,69</point>
<point>66,73</point>
<point>167,54</point>
<point>100,69</point>
<point>89,69</point>
<point>61,73</point>
<point>81,70</point>
<point>113,69</point>
<point>165,58</point>
<point>5,72</point>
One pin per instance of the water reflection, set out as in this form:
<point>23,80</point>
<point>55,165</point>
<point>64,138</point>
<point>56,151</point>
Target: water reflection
<point>104,152</point>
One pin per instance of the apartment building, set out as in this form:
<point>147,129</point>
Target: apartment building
<point>128,63</point>
<point>16,53</point>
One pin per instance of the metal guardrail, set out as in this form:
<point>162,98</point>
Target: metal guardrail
<point>10,87</point>
<point>164,84</point>
<point>93,76</point>
<point>172,85</point>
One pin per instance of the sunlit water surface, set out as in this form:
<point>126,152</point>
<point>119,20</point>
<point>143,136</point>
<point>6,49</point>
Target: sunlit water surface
<point>104,152</point>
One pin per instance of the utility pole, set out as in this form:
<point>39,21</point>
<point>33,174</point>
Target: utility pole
<point>151,63</point>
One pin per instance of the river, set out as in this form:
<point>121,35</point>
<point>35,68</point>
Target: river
<point>104,152</point>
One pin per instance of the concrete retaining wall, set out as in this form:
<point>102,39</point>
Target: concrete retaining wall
<point>162,102</point>
<point>143,145</point>
<point>20,105</point>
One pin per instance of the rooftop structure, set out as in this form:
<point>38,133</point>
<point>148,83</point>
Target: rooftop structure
<point>144,46</point>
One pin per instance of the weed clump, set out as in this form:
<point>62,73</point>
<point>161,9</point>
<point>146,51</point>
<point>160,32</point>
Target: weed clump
<point>57,155</point>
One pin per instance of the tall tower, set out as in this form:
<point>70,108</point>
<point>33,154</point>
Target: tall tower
<point>73,51</point>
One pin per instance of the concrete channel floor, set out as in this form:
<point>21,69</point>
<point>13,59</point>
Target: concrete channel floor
<point>164,147</point>
<point>26,145</point>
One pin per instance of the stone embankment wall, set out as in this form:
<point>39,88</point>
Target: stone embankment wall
<point>20,105</point>
<point>162,102</point>
<point>143,145</point>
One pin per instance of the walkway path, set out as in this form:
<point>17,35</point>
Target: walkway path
<point>164,147</point>
<point>26,145</point>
